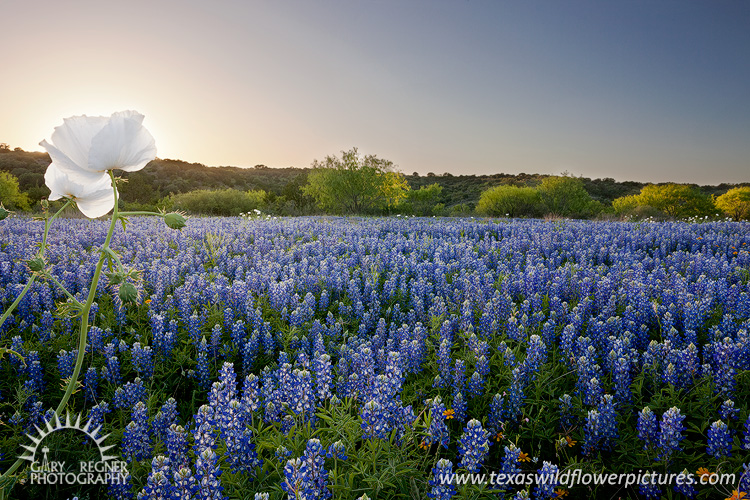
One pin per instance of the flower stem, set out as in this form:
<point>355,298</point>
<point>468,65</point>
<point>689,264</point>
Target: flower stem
<point>42,249</point>
<point>140,212</point>
<point>73,382</point>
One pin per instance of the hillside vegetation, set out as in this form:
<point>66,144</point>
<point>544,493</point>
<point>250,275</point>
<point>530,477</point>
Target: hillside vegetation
<point>286,191</point>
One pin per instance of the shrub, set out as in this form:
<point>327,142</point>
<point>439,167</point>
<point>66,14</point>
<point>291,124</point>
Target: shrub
<point>217,202</point>
<point>565,196</point>
<point>510,201</point>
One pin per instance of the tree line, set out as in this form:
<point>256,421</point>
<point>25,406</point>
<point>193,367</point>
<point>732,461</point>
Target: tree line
<point>352,183</point>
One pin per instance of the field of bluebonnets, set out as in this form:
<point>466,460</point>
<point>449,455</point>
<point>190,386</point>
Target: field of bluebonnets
<point>344,358</point>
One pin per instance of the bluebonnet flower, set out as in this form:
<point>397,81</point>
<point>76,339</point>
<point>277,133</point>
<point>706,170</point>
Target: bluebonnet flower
<point>337,450</point>
<point>185,485</point>
<point>323,375</point>
<point>459,407</point>
<point>177,446</point>
<point>744,483</point>
<point>670,433</point>
<point>130,394</point>
<point>207,473</point>
<point>240,449</point>
<point>296,482</point>
<point>65,363</point>
<point>728,412</point>
<point>509,467</point>
<point>437,432</point>
<point>476,384</point>
<point>592,432</point>
<point>515,396</point>
<point>158,485</point>
<point>143,360</point>
<point>261,496</point>
<point>622,380</point>
<point>216,335</point>
<point>684,486</point>
<point>136,442</point>
<point>474,446</point>
<point>609,432</point>
<point>374,421</point>
<point>648,427</point>
<point>567,418</point>
<point>495,424</point>
<point>441,482</point>
<point>112,373</point>
<point>96,417</point>
<point>201,365</point>
<point>649,489</point>
<point>444,360</point>
<point>35,383</point>
<point>204,434</point>
<point>459,376</point>
<point>90,384</point>
<point>165,417</point>
<point>317,475</point>
<point>719,440</point>
<point>546,481</point>
<point>282,453</point>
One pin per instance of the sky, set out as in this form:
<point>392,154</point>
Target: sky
<point>651,91</point>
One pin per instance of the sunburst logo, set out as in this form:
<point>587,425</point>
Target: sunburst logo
<point>45,471</point>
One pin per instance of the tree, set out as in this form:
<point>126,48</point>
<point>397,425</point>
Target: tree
<point>672,200</point>
<point>355,184</point>
<point>512,201</point>
<point>735,203</point>
<point>10,194</point>
<point>423,201</point>
<point>565,195</point>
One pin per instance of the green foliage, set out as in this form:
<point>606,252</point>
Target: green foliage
<point>510,201</point>
<point>355,184</point>
<point>10,194</point>
<point>565,196</point>
<point>217,202</point>
<point>424,201</point>
<point>671,200</point>
<point>735,203</point>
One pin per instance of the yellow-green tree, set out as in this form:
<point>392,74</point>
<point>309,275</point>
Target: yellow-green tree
<point>673,200</point>
<point>735,203</point>
<point>355,184</point>
<point>10,194</point>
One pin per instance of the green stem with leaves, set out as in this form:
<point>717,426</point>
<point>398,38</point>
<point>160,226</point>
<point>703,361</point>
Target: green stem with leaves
<point>42,249</point>
<point>83,330</point>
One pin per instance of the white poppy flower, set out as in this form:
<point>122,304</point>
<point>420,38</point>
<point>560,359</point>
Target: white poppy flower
<point>85,147</point>
<point>94,199</point>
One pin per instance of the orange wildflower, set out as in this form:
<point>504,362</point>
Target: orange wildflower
<point>524,457</point>
<point>570,441</point>
<point>448,414</point>
<point>737,495</point>
<point>560,492</point>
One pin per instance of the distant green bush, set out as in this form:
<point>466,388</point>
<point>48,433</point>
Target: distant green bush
<point>511,201</point>
<point>217,202</point>
<point>670,200</point>
<point>566,196</point>
<point>423,201</point>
